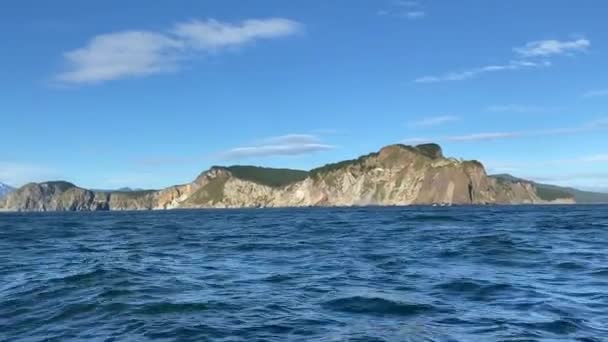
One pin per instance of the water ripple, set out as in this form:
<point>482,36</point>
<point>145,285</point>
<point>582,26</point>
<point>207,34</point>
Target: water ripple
<point>360,274</point>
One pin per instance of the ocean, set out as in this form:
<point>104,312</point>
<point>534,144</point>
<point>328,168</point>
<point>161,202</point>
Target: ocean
<point>495,273</point>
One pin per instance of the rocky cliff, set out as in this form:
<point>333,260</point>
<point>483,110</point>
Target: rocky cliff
<point>396,175</point>
<point>64,196</point>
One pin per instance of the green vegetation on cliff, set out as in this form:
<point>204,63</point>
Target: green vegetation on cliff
<point>134,193</point>
<point>211,193</point>
<point>432,151</point>
<point>337,166</point>
<point>267,176</point>
<point>543,192</point>
<point>551,194</point>
<point>59,185</point>
<point>393,155</point>
<point>581,197</point>
<point>473,163</point>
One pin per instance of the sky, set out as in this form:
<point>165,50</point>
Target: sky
<point>109,94</point>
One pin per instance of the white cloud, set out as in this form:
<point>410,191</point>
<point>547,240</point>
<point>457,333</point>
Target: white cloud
<point>285,145</point>
<point>414,14</point>
<point>289,144</point>
<point>292,139</point>
<point>139,53</point>
<point>596,93</point>
<point>406,3</point>
<point>514,108</point>
<point>475,72</point>
<point>17,174</point>
<point>601,124</point>
<point>119,55</point>
<point>212,34</point>
<point>435,121</point>
<point>543,48</point>
<point>404,9</point>
<point>483,136</point>
<point>274,150</point>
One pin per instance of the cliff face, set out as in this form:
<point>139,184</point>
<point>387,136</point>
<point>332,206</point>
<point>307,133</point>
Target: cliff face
<point>396,175</point>
<point>64,196</point>
<point>51,196</point>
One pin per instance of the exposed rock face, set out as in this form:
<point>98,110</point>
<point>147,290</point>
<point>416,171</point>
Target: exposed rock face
<point>64,196</point>
<point>51,196</point>
<point>396,175</point>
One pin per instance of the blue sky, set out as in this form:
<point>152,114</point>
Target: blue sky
<point>148,94</point>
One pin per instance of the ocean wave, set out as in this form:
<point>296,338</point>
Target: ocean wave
<point>376,306</point>
<point>339,274</point>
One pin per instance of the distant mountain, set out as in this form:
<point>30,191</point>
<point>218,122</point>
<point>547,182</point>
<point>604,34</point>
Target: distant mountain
<point>395,175</point>
<point>5,189</point>
<point>549,192</point>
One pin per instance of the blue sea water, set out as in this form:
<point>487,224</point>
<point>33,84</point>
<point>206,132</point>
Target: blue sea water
<point>349,274</point>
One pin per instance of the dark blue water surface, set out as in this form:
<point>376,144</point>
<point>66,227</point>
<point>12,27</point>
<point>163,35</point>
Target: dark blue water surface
<point>371,274</point>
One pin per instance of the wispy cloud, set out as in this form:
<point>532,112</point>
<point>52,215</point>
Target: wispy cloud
<point>17,174</point>
<point>475,72</point>
<point>140,53</point>
<point>434,121</point>
<point>414,14</point>
<point>406,3</point>
<point>544,48</point>
<point>484,136</point>
<point>289,144</point>
<point>404,9</point>
<point>597,125</point>
<point>596,93</point>
<point>526,58</point>
<point>120,55</point>
<point>514,108</point>
<point>213,34</point>
<point>285,145</point>
<point>292,139</point>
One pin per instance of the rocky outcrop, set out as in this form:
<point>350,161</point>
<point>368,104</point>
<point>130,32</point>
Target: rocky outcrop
<point>64,196</point>
<point>395,175</point>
